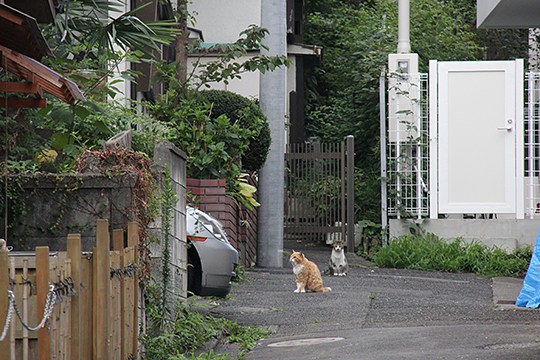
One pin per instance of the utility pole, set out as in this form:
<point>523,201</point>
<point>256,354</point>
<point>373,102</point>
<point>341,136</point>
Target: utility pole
<point>404,42</point>
<point>182,41</point>
<point>273,95</point>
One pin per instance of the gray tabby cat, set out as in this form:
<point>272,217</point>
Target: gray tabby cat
<point>338,262</point>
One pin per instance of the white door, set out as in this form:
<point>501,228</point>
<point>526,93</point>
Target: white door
<point>478,123</point>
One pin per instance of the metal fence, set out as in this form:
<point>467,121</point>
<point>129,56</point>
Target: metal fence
<point>532,145</point>
<point>319,196</point>
<point>407,147</point>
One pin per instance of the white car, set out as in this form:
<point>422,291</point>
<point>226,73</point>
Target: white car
<point>211,258</point>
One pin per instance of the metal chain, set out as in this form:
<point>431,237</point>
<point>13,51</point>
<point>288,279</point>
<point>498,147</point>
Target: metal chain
<point>64,288</point>
<point>129,271</point>
<point>8,316</point>
<point>47,312</point>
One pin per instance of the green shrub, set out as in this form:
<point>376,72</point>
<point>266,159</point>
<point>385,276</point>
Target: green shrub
<point>214,146</point>
<point>190,330</point>
<point>249,115</point>
<point>432,253</point>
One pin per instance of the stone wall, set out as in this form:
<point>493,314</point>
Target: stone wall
<point>50,206</point>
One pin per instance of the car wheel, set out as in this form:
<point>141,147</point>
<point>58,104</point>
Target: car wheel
<point>194,272</point>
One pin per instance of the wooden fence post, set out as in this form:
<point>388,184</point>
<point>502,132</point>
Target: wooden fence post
<point>74,254</point>
<point>12,329</point>
<point>118,245</point>
<point>26,288</point>
<point>102,293</point>
<point>5,348</point>
<point>42,289</point>
<point>133,241</point>
<point>115,322</point>
<point>129,305</point>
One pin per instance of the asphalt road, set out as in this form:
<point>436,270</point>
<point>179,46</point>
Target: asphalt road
<point>381,314</point>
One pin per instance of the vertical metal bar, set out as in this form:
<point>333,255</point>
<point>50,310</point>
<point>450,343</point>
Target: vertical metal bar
<point>343,217</point>
<point>530,143</point>
<point>419,133</point>
<point>382,135</point>
<point>286,210</point>
<point>399,194</point>
<point>336,216</point>
<point>536,137</point>
<point>350,193</point>
<point>535,126</point>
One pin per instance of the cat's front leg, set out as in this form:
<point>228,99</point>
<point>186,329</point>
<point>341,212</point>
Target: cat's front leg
<point>300,288</point>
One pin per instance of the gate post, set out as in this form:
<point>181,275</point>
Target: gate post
<point>5,346</point>
<point>350,193</point>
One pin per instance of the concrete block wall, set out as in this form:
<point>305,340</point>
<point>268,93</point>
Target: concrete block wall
<point>507,234</point>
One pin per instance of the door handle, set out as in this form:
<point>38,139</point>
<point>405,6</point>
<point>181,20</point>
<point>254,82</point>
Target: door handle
<point>507,127</point>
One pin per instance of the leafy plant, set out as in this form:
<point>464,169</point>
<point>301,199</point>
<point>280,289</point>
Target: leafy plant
<point>248,114</point>
<point>227,66</point>
<point>214,146</point>
<point>89,42</point>
<point>191,329</point>
<point>245,192</point>
<point>429,252</point>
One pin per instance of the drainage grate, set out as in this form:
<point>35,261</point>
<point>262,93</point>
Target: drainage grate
<point>305,342</point>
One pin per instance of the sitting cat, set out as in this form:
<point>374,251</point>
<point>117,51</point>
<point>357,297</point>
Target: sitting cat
<point>338,262</point>
<point>308,275</point>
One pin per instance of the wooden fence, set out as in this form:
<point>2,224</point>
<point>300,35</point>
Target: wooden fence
<point>90,299</point>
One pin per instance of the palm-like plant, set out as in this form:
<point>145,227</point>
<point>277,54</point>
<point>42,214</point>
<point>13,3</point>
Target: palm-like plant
<point>89,22</point>
<point>96,35</point>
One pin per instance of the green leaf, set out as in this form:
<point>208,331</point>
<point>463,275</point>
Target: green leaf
<point>59,141</point>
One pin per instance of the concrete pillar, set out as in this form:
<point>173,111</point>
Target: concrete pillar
<point>404,43</point>
<point>273,99</point>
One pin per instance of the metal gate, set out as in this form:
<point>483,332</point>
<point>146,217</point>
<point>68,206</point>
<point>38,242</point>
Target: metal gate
<point>319,192</point>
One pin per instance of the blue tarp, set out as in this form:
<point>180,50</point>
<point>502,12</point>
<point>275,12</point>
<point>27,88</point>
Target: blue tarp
<point>530,292</point>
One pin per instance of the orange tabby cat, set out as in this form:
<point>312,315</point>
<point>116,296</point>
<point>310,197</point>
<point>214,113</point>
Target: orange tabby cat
<point>308,275</point>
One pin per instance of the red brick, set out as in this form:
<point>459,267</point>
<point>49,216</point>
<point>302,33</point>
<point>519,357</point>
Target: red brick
<point>195,190</point>
<point>214,190</point>
<point>212,182</point>
<point>193,182</point>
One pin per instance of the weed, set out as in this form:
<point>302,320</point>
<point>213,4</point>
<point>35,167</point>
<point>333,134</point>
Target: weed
<point>429,252</point>
<point>191,330</point>
<point>239,273</point>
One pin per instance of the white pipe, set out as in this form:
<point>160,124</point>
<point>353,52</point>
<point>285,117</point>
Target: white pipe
<point>404,43</point>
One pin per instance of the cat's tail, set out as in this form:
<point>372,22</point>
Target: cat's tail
<point>326,289</point>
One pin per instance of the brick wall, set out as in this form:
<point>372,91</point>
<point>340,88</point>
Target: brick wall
<point>240,224</point>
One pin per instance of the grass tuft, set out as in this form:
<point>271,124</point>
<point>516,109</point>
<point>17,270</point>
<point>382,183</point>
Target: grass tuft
<point>429,252</point>
<point>191,330</point>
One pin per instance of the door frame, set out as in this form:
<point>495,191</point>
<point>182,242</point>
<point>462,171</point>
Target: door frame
<point>435,138</point>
